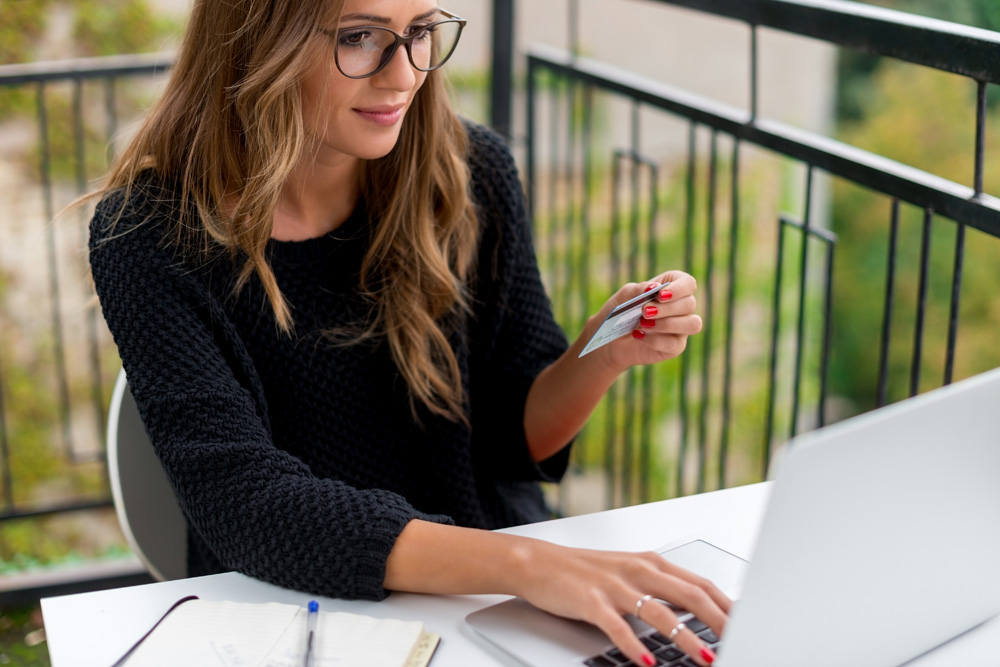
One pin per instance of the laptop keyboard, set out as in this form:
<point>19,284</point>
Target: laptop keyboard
<point>667,653</point>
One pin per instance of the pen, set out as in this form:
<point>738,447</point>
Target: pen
<point>311,631</point>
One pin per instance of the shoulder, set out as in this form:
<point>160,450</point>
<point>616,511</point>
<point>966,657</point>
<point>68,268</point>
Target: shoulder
<point>488,154</point>
<point>145,202</point>
<point>137,234</point>
<point>496,189</point>
<point>495,183</point>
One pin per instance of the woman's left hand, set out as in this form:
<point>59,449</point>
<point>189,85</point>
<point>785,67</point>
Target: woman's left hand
<point>666,323</point>
<point>565,393</point>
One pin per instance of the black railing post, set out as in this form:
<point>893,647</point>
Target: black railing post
<point>501,83</point>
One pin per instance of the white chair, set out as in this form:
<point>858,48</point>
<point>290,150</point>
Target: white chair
<point>146,506</point>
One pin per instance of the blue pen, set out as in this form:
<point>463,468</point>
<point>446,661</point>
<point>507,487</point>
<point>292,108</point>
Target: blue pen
<point>311,631</point>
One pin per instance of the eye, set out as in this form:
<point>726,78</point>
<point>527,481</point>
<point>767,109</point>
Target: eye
<point>356,38</point>
<point>423,33</point>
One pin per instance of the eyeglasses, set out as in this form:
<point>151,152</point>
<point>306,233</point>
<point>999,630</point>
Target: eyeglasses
<point>364,51</point>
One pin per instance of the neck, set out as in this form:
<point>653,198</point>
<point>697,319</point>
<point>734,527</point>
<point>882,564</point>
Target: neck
<point>318,198</point>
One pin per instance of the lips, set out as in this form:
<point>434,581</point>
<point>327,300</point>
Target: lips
<point>384,115</point>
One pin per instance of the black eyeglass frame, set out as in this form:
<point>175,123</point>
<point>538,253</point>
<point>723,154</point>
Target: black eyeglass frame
<point>400,40</point>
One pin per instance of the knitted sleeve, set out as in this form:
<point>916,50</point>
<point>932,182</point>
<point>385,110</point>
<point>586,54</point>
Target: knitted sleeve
<point>518,334</point>
<point>258,508</point>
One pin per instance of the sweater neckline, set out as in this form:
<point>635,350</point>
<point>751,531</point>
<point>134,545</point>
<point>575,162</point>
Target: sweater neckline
<point>354,229</point>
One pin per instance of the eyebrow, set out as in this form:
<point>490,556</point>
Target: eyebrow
<point>371,18</point>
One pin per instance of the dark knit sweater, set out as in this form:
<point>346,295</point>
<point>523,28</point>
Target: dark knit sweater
<point>296,460</point>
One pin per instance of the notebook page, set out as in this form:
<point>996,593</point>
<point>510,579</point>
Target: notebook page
<point>213,633</point>
<point>344,640</point>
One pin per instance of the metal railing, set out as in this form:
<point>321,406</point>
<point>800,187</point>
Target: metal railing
<point>89,338</point>
<point>694,442</point>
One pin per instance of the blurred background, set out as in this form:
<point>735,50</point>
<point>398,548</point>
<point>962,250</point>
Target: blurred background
<point>58,363</point>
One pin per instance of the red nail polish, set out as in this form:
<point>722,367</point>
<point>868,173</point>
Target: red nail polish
<point>649,324</point>
<point>707,654</point>
<point>648,660</point>
<point>666,295</point>
<point>638,334</point>
<point>651,311</point>
<point>651,286</point>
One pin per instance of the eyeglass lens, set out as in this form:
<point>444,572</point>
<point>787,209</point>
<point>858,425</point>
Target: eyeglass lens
<point>361,51</point>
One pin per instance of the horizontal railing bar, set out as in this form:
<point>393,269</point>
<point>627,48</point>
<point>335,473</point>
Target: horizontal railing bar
<point>948,199</point>
<point>920,188</point>
<point>824,235</point>
<point>56,509</point>
<point>86,68</point>
<point>943,45</point>
<point>30,587</point>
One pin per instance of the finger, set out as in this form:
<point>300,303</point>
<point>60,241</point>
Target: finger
<point>721,600</point>
<point>663,346</point>
<point>696,599</point>
<point>621,635</point>
<point>682,325</point>
<point>666,346</point>
<point>701,597</point>
<point>676,308</point>
<point>675,284</point>
<point>664,619</point>
<point>692,644</point>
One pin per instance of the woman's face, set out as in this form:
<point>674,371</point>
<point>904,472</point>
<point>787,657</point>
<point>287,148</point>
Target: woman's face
<point>361,118</point>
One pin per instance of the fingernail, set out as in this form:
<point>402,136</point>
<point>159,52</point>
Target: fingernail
<point>651,311</point>
<point>651,286</point>
<point>707,654</point>
<point>649,324</point>
<point>666,295</point>
<point>648,660</point>
<point>638,333</point>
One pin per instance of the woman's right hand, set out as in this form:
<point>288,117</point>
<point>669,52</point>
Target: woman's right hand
<point>600,587</point>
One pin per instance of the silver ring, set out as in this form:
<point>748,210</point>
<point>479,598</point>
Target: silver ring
<point>676,631</point>
<point>643,600</point>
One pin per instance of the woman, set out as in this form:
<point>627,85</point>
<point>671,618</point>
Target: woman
<point>324,293</point>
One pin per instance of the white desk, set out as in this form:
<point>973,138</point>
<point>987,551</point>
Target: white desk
<point>95,629</point>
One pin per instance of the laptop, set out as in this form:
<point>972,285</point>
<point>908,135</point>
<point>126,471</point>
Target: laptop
<point>881,542</point>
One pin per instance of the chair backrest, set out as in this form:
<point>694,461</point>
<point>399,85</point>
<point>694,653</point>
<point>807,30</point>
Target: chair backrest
<point>146,506</point>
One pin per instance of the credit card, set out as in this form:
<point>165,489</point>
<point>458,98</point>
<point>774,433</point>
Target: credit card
<point>620,321</point>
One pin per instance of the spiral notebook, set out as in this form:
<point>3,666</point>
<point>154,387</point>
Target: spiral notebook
<point>272,634</point>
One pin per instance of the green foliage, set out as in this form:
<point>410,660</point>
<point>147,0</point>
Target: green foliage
<point>38,461</point>
<point>913,115</point>
<point>62,143</point>
<point>31,415</point>
<point>109,27</point>
<point>38,466</point>
<point>912,120</point>
<point>21,25</point>
<point>101,27</point>
<point>855,70</point>
<point>653,394</point>
<point>17,625</point>
<point>468,80</point>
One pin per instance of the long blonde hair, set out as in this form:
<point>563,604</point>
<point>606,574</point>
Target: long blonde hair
<point>229,128</point>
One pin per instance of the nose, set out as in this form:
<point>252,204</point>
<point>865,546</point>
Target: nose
<point>398,74</point>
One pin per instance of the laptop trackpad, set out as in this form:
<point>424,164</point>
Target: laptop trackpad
<point>539,638</point>
<point>720,567</point>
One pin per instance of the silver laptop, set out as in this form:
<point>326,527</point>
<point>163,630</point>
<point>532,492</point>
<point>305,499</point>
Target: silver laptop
<point>880,543</point>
